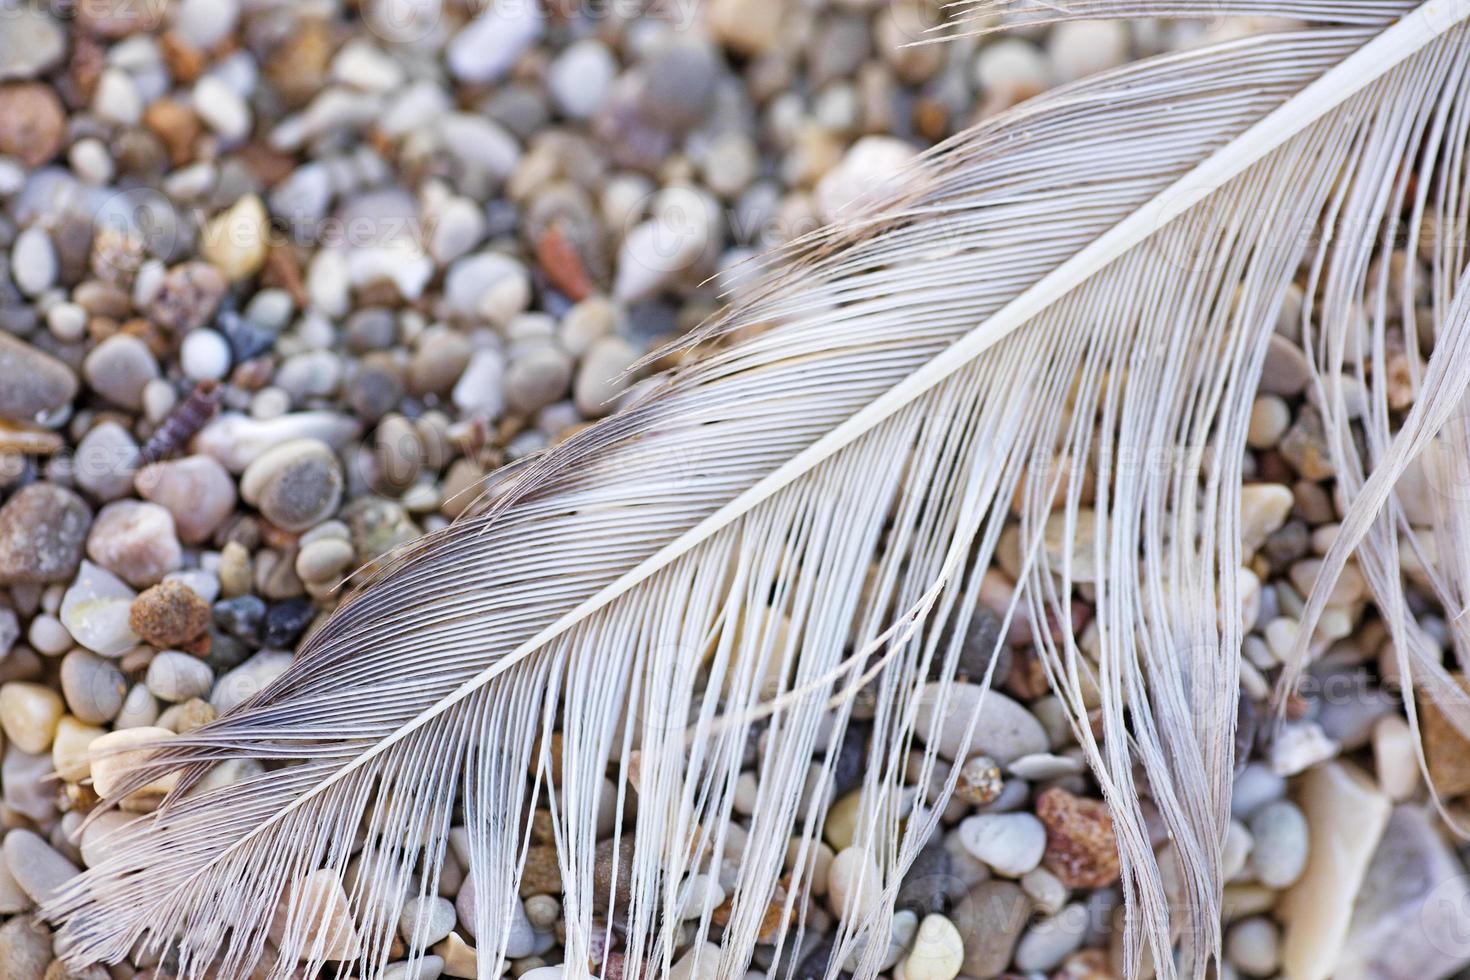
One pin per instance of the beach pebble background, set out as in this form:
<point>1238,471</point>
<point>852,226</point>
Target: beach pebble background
<point>282,282</point>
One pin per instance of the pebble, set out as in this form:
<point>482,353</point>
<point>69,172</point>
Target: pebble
<point>325,560</point>
<point>991,919</point>
<point>487,284</point>
<point>169,614</point>
<point>1253,946</point>
<point>204,23</point>
<point>25,948</point>
<point>27,780</point>
<point>854,884</point>
<point>33,261</point>
<point>35,865</point>
<point>980,781</point>
<point>204,355</point>
<point>1081,849</point>
<point>438,361</point>
<point>236,240</point>
<point>295,485</point>
<point>938,952</point>
<point>92,686</point>
<point>580,78</point>
<point>480,389</point>
<point>678,84</point>
<point>426,921</point>
<point>749,27</point>
<point>221,108</point>
<point>459,227</point>
<point>139,709</point>
<point>187,297</point>
<point>1005,730</point>
<point>324,928</point>
<point>238,440</point>
<point>537,378</point>
<point>116,98</point>
<point>115,756</point>
<point>43,528</point>
<point>29,714</point>
<point>136,541</point>
<point>105,461</point>
<point>1084,47</point>
<point>245,680</point>
<point>70,749</point>
<point>286,621</point>
<point>1300,745</point>
<point>459,958</point>
<point>656,252</point>
<point>95,609</point>
<point>1281,844</point>
<point>196,490</point>
<point>486,48</point>
<point>32,122</point>
<point>119,368</point>
<point>36,384</point>
<point>1050,941</point>
<point>31,43</point>
<point>603,376</point>
<point>863,175</point>
<point>1009,843</point>
<point>1264,508</point>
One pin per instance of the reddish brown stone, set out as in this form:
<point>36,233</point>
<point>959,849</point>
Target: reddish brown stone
<point>1447,751</point>
<point>32,122</point>
<point>1080,847</point>
<point>169,614</point>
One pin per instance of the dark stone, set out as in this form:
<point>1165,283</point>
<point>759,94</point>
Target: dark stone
<point>286,620</point>
<point>852,758</point>
<point>240,616</point>
<point>930,886</point>
<point>246,338</point>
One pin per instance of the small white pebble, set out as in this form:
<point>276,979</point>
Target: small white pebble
<point>204,355</point>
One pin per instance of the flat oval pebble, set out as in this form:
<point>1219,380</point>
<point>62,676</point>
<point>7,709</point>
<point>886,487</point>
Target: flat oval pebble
<point>295,485</point>
<point>36,384</point>
<point>1010,843</point>
<point>1281,843</point>
<point>119,368</point>
<point>1005,730</point>
<point>174,676</point>
<point>35,865</point>
<point>92,685</point>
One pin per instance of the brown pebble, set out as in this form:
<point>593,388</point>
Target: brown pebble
<point>176,125</point>
<point>168,614</point>
<point>542,875</point>
<point>1080,847</point>
<point>32,122</point>
<point>1447,751</point>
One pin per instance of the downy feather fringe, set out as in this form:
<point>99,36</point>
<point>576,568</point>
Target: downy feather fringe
<point>1052,328</point>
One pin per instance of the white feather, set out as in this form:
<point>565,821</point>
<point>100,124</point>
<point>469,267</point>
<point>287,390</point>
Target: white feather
<point>811,511</point>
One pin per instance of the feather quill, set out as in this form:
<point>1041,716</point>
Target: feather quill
<point>808,514</point>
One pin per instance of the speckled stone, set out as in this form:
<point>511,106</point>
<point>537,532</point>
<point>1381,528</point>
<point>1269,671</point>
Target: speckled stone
<point>42,532</point>
<point>36,384</point>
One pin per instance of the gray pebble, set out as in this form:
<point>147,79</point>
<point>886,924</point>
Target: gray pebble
<point>35,865</point>
<point>295,485</point>
<point>36,384</point>
<point>1005,730</point>
<point>42,530</point>
<point>1253,946</point>
<point>196,490</point>
<point>603,376</point>
<point>1010,843</point>
<point>93,686</point>
<point>105,461</point>
<point>1281,843</point>
<point>990,920</point>
<point>425,921</point>
<point>1050,941</point>
<point>119,368</point>
<point>536,378</point>
<point>25,949</point>
<point>679,82</point>
<point>30,43</point>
